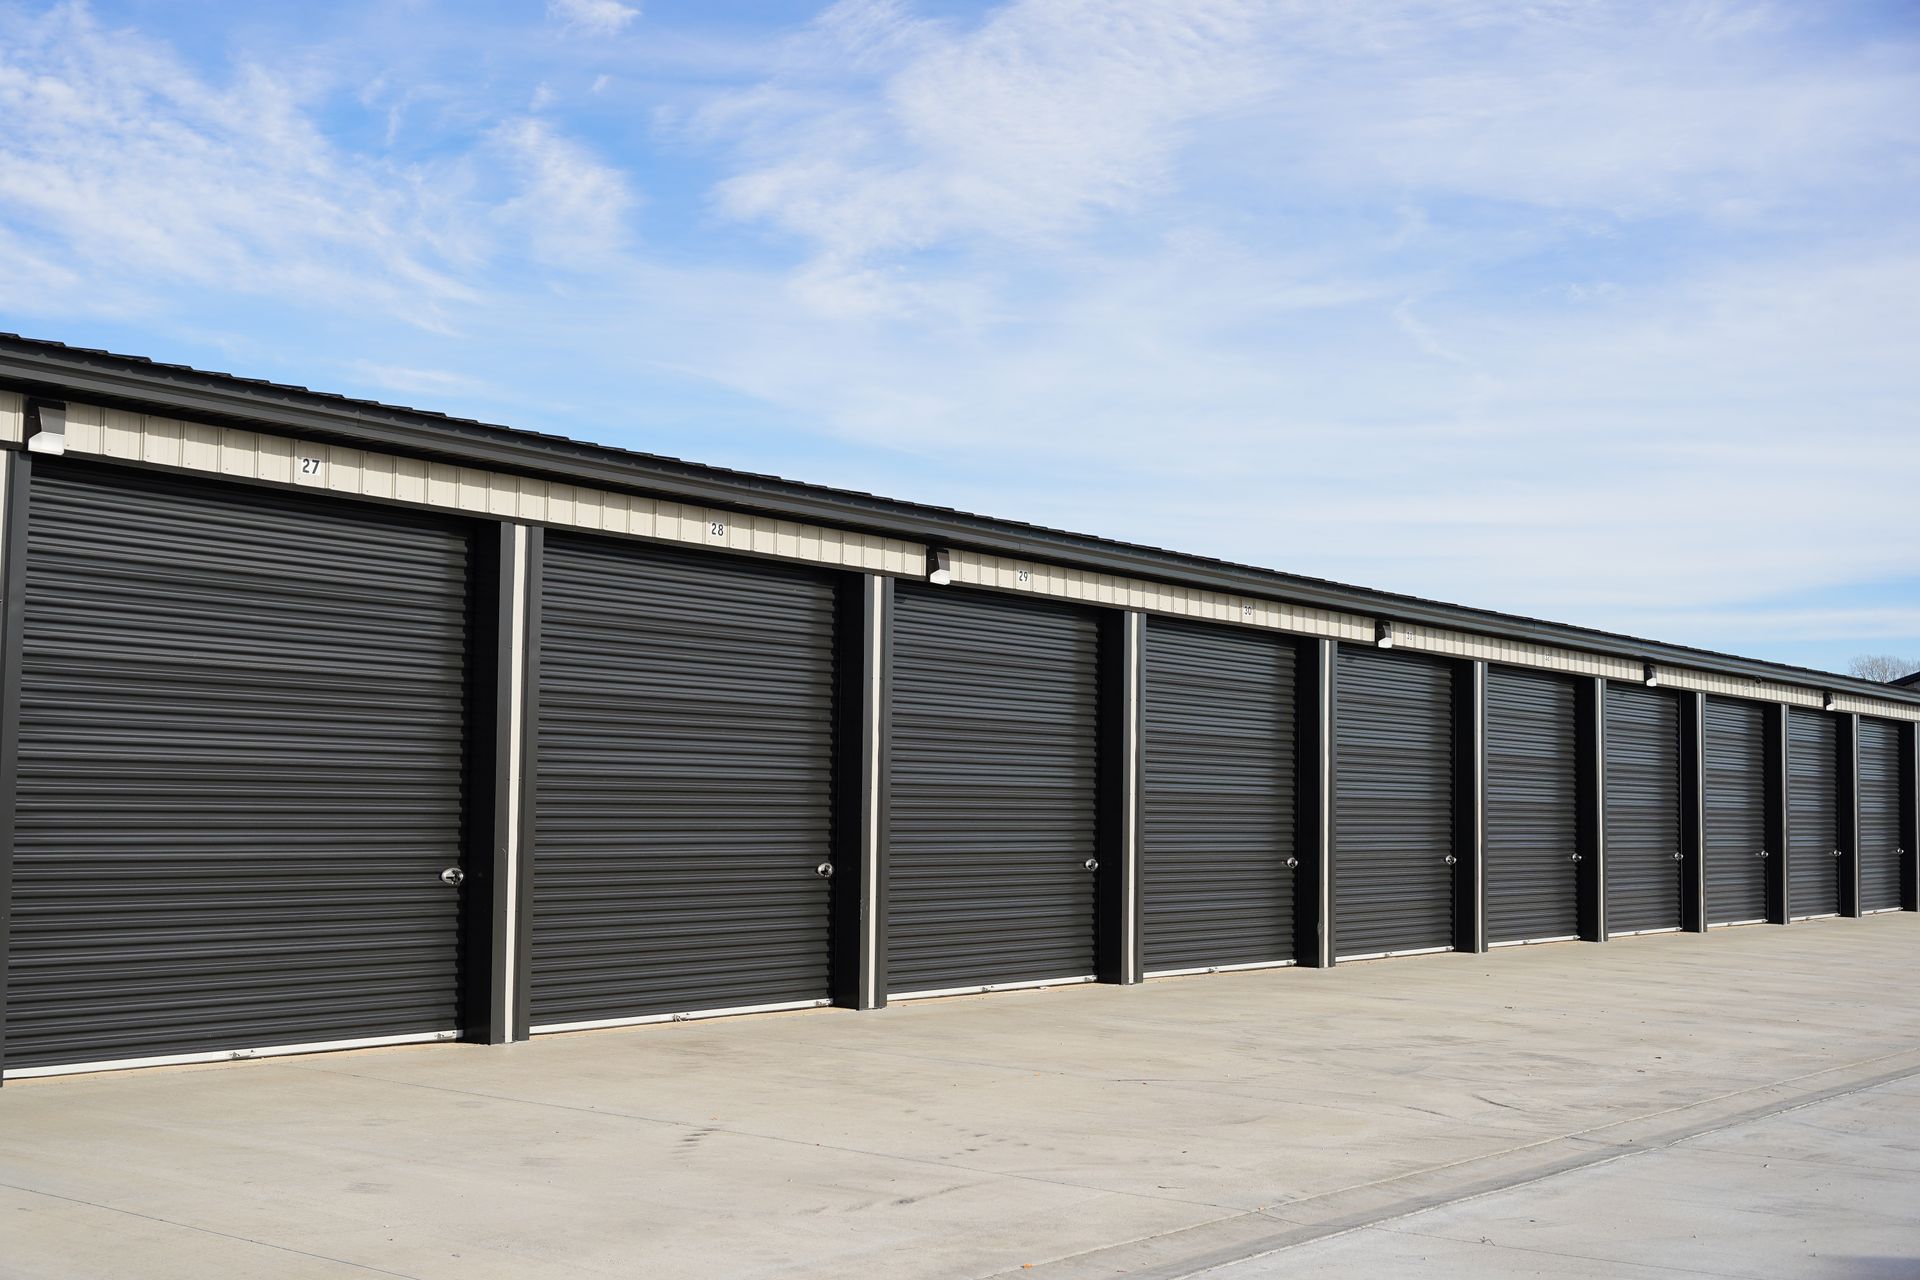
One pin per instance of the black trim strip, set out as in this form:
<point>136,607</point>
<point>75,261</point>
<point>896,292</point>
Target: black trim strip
<point>529,772</point>
<point>1693,827</point>
<point>1313,892</point>
<point>1590,728</point>
<point>1777,797</point>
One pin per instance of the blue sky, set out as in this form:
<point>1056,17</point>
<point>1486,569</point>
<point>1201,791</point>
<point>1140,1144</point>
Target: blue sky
<point>1607,313</point>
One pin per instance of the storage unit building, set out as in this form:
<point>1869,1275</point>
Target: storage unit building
<point>238,813</point>
<point>1218,806</point>
<point>1393,811</point>
<point>1813,814</point>
<point>1884,783</point>
<point>683,772</point>
<point>327,723</point>
<point>1533,846</point>
<point>992,844</point>
<point>1736,812</point>
<point>1643,852</point>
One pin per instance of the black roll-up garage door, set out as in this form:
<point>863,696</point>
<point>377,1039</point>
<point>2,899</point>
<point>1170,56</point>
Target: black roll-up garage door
<point>1880,794</point>
<point>1533,807</point>
<point>1813,813</point>
<point>1736,811</point>
<point>1217,804</point>
<point>1393,804</point>
<point>683,788</point>
<point>992,798</point>
<point>1642,810</point>
<point>241,745</point>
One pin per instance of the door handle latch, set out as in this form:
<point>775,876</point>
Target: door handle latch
<point>824,871</point>
<point>1292,863</point>
<point>1091,864</point>
<point>1450,859</point>
<point>1679,856</point>
<point>453,876</point>
<point>1574,856</point>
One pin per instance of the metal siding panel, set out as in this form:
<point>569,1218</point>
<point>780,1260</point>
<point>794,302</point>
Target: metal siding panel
<point>1741,687</point>
<point>683,795</point>
<point>1532,807</point>
<point>242,737</point>
<point>992,791</point>
<point>1393,803</point>
<point>1644,889</point>
<point>1736,810</point>
<point>1033,578</point>
<point>1854,703</point>
<point>356,472</point>
<point>1218,804</point>
<point>348,471</point>
<point>1880,796</point>
<point>1813,813</point>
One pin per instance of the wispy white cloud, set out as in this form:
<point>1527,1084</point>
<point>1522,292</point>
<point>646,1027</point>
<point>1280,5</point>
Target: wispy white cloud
<point>423,382</point>
<point>1598,311</point>
<point>1319,283</point>
<point>572,207</point>
<point>1019,130</point>
<point>122,163</point>
<point>593,17</point>
<point>126,169</point>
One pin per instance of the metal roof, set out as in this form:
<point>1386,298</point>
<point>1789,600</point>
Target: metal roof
<point>53,369</point>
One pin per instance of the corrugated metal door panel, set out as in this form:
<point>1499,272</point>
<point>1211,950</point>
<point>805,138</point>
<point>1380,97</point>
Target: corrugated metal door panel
<point>1642,810</point>
<point>1880,814</point>
<point>1217,808</point>
<point>1813,812</point>
<point>1393,803</point>
<point>1533,807</point>
<point>1880,793</point>
<point>241,746</point>
<point>992,800</point>
<point>684,783</point>
<point>1736,787</point>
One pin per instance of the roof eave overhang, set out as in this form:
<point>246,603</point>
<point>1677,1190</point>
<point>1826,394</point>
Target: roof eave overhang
<point>135,385</point>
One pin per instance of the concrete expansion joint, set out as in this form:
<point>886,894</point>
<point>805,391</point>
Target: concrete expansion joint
<point>1196,1250</point>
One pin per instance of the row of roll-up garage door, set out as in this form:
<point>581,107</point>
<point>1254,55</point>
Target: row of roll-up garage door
<point>244,770</point>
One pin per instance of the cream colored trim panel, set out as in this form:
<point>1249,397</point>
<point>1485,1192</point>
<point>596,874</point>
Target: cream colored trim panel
<point>1739,687</point>
<point>250,455</point>
<point>1031,577</point>
<point>1854,704</point>
<point>13,417</point>
<point>1512,653</point>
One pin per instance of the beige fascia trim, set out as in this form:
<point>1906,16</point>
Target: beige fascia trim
<point>1513,653</point>
<point>1726,686</point>
<point>13,417</point>
<point>1033,577</point>
<point>359,473</point>
<point>283,460</point>
<point>1030,577</point>
<point>1856,704</point>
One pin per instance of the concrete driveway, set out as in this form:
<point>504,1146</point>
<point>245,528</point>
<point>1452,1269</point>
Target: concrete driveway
<point>1078,1132</point>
